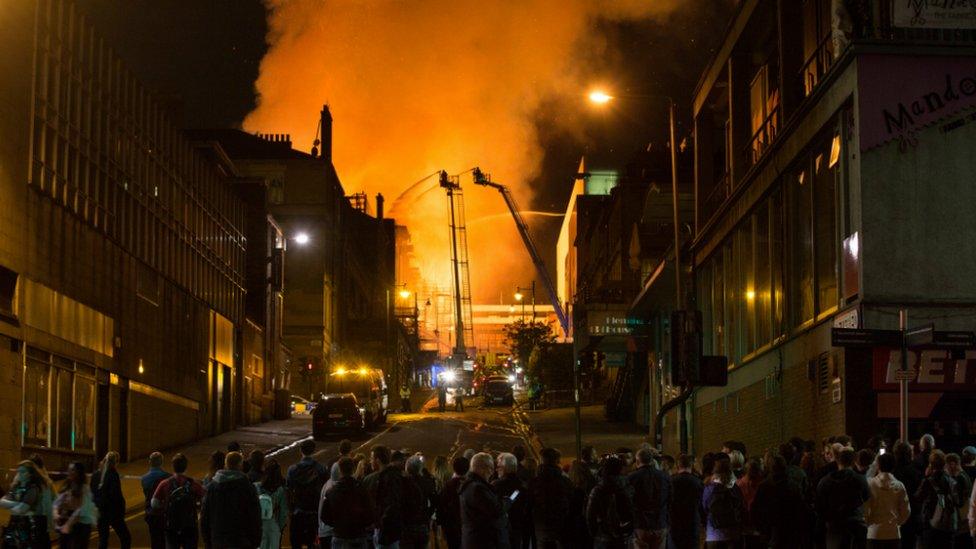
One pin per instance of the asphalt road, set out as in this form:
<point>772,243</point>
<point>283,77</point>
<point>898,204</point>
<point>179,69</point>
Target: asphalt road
<point>493,429</point>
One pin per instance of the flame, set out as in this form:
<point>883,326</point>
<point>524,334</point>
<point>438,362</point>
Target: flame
<point>425,85</point>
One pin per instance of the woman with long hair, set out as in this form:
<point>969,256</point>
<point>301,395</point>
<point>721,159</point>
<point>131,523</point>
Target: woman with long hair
<point>216,464</point>
<point>25,501</point>
<point>441,470</point>
<point>748,486</point>
<point>74,509</point>
<point>274,505</point>
<point>106,487</point>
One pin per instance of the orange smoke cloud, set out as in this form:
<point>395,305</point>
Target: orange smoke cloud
<point>423,85</point>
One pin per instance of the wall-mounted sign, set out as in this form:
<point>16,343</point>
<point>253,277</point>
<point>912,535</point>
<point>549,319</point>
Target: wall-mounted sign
<point>614,323</point>
<point>931,370</point>
<point>901,95</point>
<point>935,14</point>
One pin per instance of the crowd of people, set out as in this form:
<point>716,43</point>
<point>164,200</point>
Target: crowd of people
<point>793,496</point>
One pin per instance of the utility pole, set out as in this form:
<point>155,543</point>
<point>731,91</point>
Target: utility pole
<point>903,379</point>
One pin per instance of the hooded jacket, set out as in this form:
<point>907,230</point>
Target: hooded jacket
<point>888,507</point>
<point>348,509</point>
<point>231,515</point>
<point>840,496</point>
<point>483,517</point>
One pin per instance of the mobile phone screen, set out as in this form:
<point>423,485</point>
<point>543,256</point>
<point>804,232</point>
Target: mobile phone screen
<point>514,495</point>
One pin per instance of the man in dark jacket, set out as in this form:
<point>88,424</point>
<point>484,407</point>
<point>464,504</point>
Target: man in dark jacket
<point>906,473</point>
<point>685,509</point>
<point>348,509</point>
<point>154,517</point>
<point>419,491</point>
<point>551,492</point>
<point>782,515</point>
<point>940,500</point>
<point>609,512</point>
<point>385,486</point>
<point>650,489</point>
<point>507,485</point>
<point>483,517</point>
<point>840,496</point>
<point>449,504</point>
<point>304,486</point>
<point>231,516</point>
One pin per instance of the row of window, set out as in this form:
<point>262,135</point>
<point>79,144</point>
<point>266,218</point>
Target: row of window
<point>59,402</point>
<point>103,149</point>
<point>778,269</point>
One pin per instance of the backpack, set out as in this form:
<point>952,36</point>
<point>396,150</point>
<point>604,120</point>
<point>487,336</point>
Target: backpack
<point>267,504</point>
<point>945,512</point>
<point>181,507</point>
<point>306,489</point>
<point>725,509</point>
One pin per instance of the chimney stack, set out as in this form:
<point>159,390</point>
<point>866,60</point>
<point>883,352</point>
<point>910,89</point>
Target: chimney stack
<point>379,205</point>
<point>326,130</point>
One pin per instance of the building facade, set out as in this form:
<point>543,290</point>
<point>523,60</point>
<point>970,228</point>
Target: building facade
<point>123,255</point>
<point>833,166</point>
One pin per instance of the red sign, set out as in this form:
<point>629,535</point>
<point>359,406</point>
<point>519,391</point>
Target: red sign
<point>933,370</point>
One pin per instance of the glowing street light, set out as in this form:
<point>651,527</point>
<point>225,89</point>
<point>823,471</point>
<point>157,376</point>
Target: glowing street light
<point>404,293</point>
<point>600,97</point>
<point>519,296</point>
<point>302,238</point>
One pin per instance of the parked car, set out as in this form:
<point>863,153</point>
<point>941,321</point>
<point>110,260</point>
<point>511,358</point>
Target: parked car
<point>498,390</point>
<point>300,405</point>
<point>369,386</point>
<point>337,413</point>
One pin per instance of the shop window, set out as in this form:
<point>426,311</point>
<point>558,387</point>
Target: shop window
<point>825,168</point>
<point>801,245</point>
<point>62,384</point>
<point>59,404</point>
<point>84,420</point>
<point>36,392</point>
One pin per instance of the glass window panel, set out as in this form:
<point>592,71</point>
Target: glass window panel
<point>824,189</point>
<point>801,246</point>
<point>705,303</point>
<point>746,303</point>
<point>36,386</point>
<point>84,420</point>
<point>763,301</point>
<point>63,386</point>
<point>718,306</point>
<point>729,295</point>
<point>777,252</point>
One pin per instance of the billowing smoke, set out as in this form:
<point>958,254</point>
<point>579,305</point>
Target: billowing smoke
<point>422,85</point>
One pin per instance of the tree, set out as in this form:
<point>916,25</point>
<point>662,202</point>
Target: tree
<point>523,337</point>
<point>552,365</point>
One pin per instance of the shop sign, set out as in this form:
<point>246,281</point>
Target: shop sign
<point>614,323</point>
<point>929,370</point>
<point>935,14</point>
<point>901,95</point>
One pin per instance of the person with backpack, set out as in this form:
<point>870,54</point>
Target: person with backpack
<point>106,487</point>
<point>304,487</point>
<point>609,512</point>
<point>651,492</point>
<point>154,518</point>
<point>230,517</point>
<point>722,507</point>
<point>273,504</point>
<point>348,510</point>
<point>940,500</point>
<point>888,507</point>
<point>176,500</point>
<point>840,496</point>
<point>551,493</point>
<point>28,517</point>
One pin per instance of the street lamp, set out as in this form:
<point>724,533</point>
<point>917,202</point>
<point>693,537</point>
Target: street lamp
<point>520,297</point>
<point>600,97</point>
<point>404,293</point>
<point>302,238</point>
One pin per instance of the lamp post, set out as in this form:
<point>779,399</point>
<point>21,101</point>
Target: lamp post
<point>520,297</point>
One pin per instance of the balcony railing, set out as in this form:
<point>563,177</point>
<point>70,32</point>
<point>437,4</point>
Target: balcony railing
<point>716,197</point>
<point>817,65</point>
<point>764,136</point>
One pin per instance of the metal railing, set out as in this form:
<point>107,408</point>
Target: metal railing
<point>817,65</point>
<point>764,136</point>
<point>716,197</point>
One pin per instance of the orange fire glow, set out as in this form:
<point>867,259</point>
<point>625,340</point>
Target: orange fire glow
<point>425,85</point>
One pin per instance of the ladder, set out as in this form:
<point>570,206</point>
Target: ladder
<point>463,321</point>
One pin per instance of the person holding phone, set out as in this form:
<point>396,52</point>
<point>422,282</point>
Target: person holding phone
<point>509,486</point>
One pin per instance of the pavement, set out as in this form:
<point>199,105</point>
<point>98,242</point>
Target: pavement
<point>556,427</point>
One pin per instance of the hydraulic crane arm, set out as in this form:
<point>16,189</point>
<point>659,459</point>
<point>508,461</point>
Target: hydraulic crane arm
<point>480,178</point>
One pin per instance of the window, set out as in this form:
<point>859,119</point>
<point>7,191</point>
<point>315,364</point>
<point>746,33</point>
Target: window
<point>825,167</point>
<point>761,293</point>
<point>36,388</point>
<point>730,318</point>
<point>718,306</point>
<point>745,289</point>
<point>62,383</point>
<point>8,290</point>
<point>801,245</point>
<point>84,420</point>
<point>777,252</point>
<point>817,45</point>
